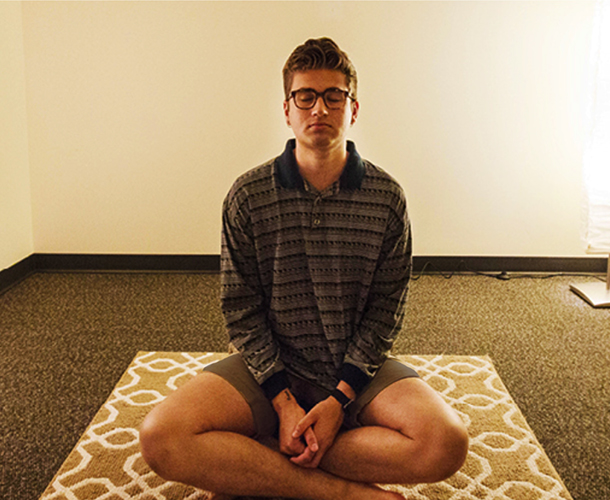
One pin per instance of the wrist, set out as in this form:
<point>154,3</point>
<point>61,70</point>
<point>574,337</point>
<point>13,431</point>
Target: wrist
<point>341,398</point>
<point>283,400</point>
<point>346,389</point>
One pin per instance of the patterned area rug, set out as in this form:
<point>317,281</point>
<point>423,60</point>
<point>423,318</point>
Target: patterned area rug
<point>505,460</point>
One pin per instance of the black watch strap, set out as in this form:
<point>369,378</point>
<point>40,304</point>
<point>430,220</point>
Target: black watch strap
<point>342,398</point>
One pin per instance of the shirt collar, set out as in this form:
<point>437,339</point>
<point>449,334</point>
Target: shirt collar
<point>290,177</point>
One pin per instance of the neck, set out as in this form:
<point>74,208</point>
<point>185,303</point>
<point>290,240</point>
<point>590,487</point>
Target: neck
<point>321,167</point>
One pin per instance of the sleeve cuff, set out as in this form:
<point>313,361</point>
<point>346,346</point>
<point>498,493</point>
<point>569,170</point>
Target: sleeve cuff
<point>275,384</point>
<point>355,377</point>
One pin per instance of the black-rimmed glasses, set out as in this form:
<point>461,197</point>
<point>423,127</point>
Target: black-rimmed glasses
<point>307,98</point>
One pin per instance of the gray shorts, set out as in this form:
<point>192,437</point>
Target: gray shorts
<point>234,370</point>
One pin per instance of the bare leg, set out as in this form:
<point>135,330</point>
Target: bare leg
<point>199,436</point>
<point>412,436</point>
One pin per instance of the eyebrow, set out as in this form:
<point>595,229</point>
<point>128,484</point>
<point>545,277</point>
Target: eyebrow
<point>314,90</point>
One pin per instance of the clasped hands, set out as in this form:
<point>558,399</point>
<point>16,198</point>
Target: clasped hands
<point>306,437</point>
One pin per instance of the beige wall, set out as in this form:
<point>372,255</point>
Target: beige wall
<point>15,203</point>
<point>141,114</point>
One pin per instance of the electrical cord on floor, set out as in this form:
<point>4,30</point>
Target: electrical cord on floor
<point>501,275</point>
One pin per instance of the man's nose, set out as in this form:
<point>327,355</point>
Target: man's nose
<point>319,106</point>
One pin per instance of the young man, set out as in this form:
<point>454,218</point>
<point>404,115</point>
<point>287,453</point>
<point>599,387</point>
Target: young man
<point>316,260</point>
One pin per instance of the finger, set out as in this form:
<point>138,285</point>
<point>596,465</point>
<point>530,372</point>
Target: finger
<point>311,440</point>
<point>308,457</point>
<point>305,459</point>
<point>291,446</point>
<point>295,447</point>
<point>305,423</point>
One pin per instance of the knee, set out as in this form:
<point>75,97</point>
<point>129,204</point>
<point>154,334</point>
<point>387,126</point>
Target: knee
<point>447,452</point>
<point>157,444</point>
<point>455,444</point>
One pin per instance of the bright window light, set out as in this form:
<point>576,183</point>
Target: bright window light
<point>596,161</point>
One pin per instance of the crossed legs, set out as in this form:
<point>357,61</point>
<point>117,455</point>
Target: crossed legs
<point>200,435</point>
<point>409,436</point>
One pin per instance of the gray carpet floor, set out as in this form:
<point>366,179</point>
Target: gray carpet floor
<point>65,339</point>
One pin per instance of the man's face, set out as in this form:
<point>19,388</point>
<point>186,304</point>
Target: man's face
<point>320,127</point>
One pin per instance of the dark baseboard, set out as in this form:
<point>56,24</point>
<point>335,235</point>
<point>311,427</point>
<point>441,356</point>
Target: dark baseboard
<point>56,262</point>
<point>126,262</point>
<point>47,262</point>
<point>17,272</point>
<point>568,265</point>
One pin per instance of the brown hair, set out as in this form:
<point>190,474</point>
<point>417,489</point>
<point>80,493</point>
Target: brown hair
<point>320,53</point>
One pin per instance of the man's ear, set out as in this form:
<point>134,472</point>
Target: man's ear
<point>286,113</point>
<point>355,109</point>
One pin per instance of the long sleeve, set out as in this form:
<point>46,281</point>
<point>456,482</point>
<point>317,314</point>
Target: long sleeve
<point>243,299</point>
<point>384,311</point>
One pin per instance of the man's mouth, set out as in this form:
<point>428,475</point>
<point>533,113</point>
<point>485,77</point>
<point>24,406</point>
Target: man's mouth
<point>319,125</point>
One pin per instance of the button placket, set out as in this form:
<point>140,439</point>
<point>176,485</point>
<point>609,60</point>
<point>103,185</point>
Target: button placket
<point>316,217</point>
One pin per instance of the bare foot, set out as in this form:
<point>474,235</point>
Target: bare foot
<point>217,496</point>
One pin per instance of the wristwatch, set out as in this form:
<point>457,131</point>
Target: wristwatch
<point>342,398</point>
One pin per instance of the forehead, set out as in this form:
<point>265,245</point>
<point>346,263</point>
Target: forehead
<point>318,79</point>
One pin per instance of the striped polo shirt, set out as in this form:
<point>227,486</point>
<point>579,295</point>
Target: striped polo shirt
<point>314,283</point>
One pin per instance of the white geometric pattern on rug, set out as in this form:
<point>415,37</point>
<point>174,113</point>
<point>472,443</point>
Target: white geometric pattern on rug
<point>505,460</point>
